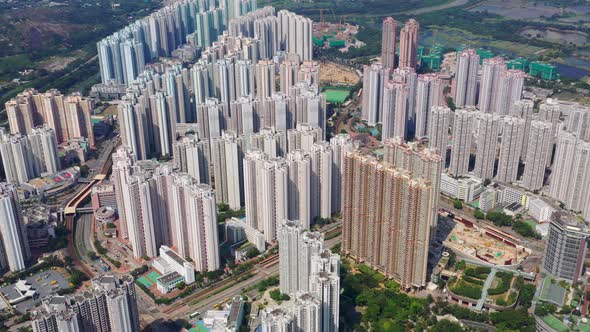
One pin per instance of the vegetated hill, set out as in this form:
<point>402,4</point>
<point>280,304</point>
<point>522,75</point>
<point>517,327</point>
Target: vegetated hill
<point>43,28</point>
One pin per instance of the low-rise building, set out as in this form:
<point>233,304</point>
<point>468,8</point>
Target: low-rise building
<point>105,214</point>
<point>53,184</point>
<point>540,209</point>
<point>174,269</point>
<point>237,230</point>
<point>103,194</point>
<point>488,199</point>
<point>465,188</point>
<point>168,282</point>
<point>227,320</point>
<point>513,209</point>
<point>510,194</point>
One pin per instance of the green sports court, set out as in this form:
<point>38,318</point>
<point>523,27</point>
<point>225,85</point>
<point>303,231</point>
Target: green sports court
<point>153,276</point>
<point>145,282</point>
<point>336,95</point>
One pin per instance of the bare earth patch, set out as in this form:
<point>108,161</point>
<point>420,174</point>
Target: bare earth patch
<point>56,63</point>
<point>332,73</point>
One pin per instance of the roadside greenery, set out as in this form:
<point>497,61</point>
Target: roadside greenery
<point>369,302</point>
<point>279,297</point>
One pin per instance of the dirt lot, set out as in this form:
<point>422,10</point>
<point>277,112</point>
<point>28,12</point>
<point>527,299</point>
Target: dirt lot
<point>56,63</point>
<point>332,73</point>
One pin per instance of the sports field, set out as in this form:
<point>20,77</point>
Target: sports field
<point>336,95</point>
<point>153,276</point>
<point>144,281</point>
<point>149,279</point>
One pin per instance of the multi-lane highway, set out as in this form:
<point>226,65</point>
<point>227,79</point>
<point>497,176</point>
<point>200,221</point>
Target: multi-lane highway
<point>101,166</point>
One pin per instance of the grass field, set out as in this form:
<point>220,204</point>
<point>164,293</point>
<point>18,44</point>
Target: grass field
<point>336,95</point>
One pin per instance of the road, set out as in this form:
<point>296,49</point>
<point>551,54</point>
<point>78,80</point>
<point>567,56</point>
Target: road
<point>182,308</point>
<point>83,236</point>
<point>263,273</point>
<point>101,166</point>
<point>420,11</point>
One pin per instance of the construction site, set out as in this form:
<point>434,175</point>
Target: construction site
<point>486,244</point>
<point>337,34</point>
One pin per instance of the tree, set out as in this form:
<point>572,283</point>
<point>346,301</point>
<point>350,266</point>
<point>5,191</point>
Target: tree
<point>222,207</point>
<point>252,252</point>
<point>181,285</point>
<point>525,230</point>
<point>446,325</point>
<point>460,265</point>
<point>479,214</point>
<point>68,260</point>
<point>451,103</point>
<point>457,204</point>
<point>276,295</point>
<point>499,218</point>
<point>544,309</point>
<point>91,255</point>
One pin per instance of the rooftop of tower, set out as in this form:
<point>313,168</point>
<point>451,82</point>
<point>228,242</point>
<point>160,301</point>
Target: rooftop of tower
<point>570,221</point>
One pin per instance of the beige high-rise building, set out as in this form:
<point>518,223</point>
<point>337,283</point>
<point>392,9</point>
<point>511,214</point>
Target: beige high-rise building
<point>77,110</point>
<point>303,137</point>
<point>14,246</point>
<point>421,162</point>
<point>110,305</point>
<point>388,42</point>
<point>523,109</point>
<point>300,175</point>
<point>550,112</point>
<point>321,180</point>
<point>387,217</point>
<point>69,116</point>
<point>465,82</point>
<point>408,44</point>
<point>536,158</point>
<point>266,191</point>
<point>297,247</point>
<point>341,143</point>
<point>570,176</point>
<point>487,141</point>
<point>429,93</point>
<point>44,147</point>
<point>462,140</point>
<point>510,88</point>
<point>513,131</point>
<point>395,110</point>
<point>265,78</point>
<point>123,160</point>
<point>489,89</point>
<point>438,130</point>
<point>374,78</point>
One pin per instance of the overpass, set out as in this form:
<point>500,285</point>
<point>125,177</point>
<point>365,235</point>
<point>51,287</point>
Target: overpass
<point>71,208</point>
<point>70,212</point>
<point>85,210</point>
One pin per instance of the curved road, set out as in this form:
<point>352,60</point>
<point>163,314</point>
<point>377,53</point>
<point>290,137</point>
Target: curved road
<point>419,11</point>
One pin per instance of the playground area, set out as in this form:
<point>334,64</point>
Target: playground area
<point>485,244</point>
<point>149,279</point>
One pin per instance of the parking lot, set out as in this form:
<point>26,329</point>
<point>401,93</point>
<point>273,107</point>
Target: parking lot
<point>45,283</point>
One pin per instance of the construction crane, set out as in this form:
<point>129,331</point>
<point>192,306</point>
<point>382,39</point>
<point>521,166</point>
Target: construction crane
<point>323,17</point>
